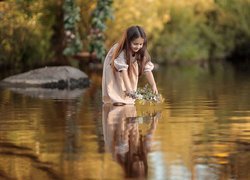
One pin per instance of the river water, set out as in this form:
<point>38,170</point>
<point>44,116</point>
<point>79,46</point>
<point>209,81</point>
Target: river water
<point>201,131</point>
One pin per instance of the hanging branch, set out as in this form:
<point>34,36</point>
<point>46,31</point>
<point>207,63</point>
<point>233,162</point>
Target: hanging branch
<point>102,12</point>
<point>71,17</point>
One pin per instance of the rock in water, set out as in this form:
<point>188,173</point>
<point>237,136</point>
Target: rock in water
<point>60,77</point>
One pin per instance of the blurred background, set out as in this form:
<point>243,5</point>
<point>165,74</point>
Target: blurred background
<point>36,32</point>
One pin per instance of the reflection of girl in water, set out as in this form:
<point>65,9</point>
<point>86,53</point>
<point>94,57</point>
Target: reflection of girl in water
<point>124,139</point>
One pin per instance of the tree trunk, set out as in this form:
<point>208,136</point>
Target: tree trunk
<point>58,37</point>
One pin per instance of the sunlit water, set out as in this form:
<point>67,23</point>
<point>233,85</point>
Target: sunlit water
<point>201,131</point>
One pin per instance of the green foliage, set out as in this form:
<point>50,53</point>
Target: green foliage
<point>71,17</point>
<point>194,34</point>
<point>186,37</point>
<point>31,31</point>
<point>100,15</point>
<point>24,39</point>
<point>236,27</point>
<point>187,31</point>
<point>178,31</point>
<point>87,6</point>
<point>150,14</point>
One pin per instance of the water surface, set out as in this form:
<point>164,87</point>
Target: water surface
<point>201,131</point>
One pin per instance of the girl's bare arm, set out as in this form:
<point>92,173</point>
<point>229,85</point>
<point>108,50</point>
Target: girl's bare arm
<point>150,77</point>
<point>125,78</point>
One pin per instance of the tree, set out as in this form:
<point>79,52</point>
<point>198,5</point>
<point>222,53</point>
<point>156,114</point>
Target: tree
<point>71,17</point>
<point>236,26</point>
<point>25,32</point>
<point>100,15</point>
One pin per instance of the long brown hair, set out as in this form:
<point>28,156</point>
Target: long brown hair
<point>124,44</point>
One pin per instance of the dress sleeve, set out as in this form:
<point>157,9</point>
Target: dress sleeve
<point>120,62</point>
<point>149,66</point>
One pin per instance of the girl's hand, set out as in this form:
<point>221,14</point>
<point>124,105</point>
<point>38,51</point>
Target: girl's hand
<point>151,81</point>
<point>154,89</point>
<point>130,94</point>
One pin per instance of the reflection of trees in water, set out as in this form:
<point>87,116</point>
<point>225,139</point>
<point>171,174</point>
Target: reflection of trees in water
<point>72,130</point>
<point>125,140</point>
<point>25,162</point>
<point>222,156</point>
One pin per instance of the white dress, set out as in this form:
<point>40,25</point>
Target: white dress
<point>113,88</point>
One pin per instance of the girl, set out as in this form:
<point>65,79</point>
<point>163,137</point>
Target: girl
<point>124,63</point>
